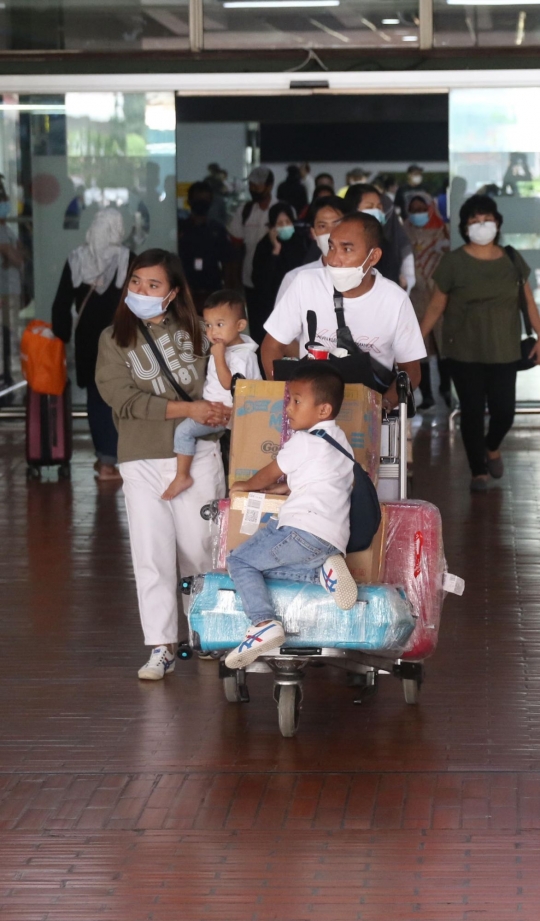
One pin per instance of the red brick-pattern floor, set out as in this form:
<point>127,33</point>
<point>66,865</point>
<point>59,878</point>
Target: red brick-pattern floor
<point>133,801</point>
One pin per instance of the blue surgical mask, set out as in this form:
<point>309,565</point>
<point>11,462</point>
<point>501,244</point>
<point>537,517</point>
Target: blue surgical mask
<point>146,306</point>
<point>5,209</point>
<point>285,233</point>
<point>376,212</point>
<point>419,218</point>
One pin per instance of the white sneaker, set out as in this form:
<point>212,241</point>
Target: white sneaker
<point>338,582</point>
<point>257,640</point>
<point>160,663</point>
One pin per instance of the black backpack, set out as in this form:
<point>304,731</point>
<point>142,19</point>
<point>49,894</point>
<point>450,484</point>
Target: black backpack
<point>365,508</point>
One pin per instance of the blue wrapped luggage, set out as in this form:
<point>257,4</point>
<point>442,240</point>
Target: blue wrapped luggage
<point>380,622</point>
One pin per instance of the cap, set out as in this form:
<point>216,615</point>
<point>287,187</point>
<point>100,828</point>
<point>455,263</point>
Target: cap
<point>259,176</point>
<point>414,168</point>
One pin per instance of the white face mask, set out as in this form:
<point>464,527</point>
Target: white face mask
<point>146,306</point>
<point>482,234</point>
<point>322,242</point>
<point>346,278</point>
<point>416,179</point>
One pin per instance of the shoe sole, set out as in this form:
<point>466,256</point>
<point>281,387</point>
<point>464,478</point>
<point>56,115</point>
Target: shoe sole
<point>346,593</point>
<point>242,659</point>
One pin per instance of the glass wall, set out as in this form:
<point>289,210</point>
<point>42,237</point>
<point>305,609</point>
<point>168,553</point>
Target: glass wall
<point>64,159</point>
<point>486,23</point>
<point>230,24</point>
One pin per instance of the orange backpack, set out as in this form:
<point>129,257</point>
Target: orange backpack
<point>43,359</point>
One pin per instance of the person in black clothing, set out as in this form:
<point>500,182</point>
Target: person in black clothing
<point>93,278</point>
<point>293,190</point>
<point>282,249</point>
<point>414,183</point>
<point>203,246</point>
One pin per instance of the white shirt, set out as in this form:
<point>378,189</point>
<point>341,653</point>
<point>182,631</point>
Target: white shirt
<point>290,276</point>
<point>382,322</point>
<point>251,232</point>
<point>241,359</point>
<point>320,479</point>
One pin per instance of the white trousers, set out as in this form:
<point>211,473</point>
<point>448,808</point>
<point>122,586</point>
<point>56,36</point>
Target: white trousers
<point>167,536</point>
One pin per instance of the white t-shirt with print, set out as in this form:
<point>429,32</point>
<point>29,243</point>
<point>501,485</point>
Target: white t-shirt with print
<point>251,232</point>
<point>290,276</point>
<point>382,322</point>
<point>320,479</point>
<point>241,359</point>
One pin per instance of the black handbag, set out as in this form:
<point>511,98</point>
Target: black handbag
<point>365,508</point>
<point>524,363</point>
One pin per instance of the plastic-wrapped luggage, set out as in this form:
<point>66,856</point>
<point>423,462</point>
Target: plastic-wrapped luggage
<point>380,622</point>
<point>414,558</point>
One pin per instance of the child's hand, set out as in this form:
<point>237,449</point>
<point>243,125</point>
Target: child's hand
<point>217,349</point>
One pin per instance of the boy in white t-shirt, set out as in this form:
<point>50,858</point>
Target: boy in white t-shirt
<point>232,353</point>
<point>308,540</point>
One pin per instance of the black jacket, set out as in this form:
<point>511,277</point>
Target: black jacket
<point>269,270</point>
<point>98,314</point>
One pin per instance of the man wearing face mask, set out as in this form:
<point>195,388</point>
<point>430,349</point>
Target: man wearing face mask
<point>325,215</point>
<point>476,289</point>
<point>249,224</point>
<point>414,183</point>
<point>378,312</point>
<point>204,246</point>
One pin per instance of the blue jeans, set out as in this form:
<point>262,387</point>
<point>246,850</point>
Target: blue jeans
<point>102,427</point>
<point>187,432</point>
<point>286,553</point>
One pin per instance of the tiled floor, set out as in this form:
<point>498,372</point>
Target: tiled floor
<point>142,802</point>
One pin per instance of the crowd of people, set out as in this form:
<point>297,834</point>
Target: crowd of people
<point>366,271</point>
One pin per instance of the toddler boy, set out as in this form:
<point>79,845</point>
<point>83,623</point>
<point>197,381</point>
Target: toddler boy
<point>232,353</point>
<point>307,541</point>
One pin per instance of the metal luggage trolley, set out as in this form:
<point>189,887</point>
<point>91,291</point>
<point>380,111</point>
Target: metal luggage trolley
<point>362,667</point>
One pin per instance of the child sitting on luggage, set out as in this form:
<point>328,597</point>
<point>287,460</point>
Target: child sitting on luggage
<point>232,353</point>
<point>309,538</point>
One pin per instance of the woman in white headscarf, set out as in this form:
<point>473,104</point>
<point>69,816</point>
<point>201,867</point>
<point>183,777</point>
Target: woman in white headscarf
<point>93,278</point>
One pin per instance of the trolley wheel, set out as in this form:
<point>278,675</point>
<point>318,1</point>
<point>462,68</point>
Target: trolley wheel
<point>411,690</point>
<point>64,472</point>
<point>235,688</point>
<point>33,473</point>
<point>184,651</point>
<point>289,704</point>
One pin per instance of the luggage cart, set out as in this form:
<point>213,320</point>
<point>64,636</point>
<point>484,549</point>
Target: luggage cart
<point>290,663</point>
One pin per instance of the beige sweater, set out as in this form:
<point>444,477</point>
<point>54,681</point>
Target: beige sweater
<point>132,383</point>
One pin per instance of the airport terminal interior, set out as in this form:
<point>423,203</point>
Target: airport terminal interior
<point>336,777</point>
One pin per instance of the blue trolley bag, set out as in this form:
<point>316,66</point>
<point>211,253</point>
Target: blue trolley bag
<point>365,507</point>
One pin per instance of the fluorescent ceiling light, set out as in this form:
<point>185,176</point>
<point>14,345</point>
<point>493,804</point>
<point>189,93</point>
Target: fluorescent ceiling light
<point>275,4</point>
<point>409,38</point>
<point>492,2</point>
<point>390,22</point>
<point>52,108</point>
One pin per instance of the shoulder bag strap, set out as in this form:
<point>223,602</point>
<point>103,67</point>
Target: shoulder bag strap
<point>522,298</point>
<point>344,337</point>
<point>335,444</point>
<point>88,295</point>
<point>161,362</point>
<point>311,325</point>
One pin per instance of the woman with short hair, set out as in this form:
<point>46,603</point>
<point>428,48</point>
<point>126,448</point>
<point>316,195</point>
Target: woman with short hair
<point>477,291</point>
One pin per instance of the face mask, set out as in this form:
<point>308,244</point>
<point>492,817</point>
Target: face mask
<point>349,277</point>
<point>375,212</point>
<point>4,208</point>
<point>482,234</point>
<point>145,306</point>
<point>419,219</point>
<point>322,242</point>
<point>416,179</point>
<point>200,207</point>
<point>285,233</point>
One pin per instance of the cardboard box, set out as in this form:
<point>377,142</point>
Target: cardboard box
<point>258,420</point>
<point>366,566</point>
<point>271,507</point>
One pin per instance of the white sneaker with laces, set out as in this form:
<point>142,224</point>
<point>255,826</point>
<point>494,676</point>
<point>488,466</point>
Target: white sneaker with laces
<point>258,639</point>
<point>338,582</point>
<point>160,663</point>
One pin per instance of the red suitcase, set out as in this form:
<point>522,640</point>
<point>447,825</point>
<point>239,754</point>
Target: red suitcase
<point>48,432</point>
<point>414,558</point>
